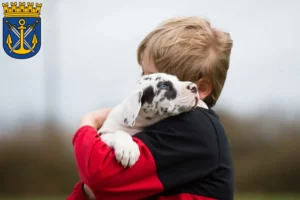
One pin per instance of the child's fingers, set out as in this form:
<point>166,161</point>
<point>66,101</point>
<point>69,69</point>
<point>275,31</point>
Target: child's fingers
<point>95,119</point>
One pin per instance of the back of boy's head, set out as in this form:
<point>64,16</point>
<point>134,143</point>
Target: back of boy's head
<point>191,49</point>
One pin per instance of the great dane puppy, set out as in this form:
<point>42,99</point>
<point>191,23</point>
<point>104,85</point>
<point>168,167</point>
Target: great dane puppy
<point>156,97</point>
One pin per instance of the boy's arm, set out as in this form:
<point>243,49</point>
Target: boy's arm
<point>167,160</point>
<point>99,169</point>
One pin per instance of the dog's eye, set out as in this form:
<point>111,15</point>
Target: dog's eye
<point>164,85</point>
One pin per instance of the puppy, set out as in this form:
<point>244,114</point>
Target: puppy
<point>156,97</point>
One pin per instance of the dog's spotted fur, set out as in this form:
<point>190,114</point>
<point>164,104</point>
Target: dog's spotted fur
<point>156,97</point>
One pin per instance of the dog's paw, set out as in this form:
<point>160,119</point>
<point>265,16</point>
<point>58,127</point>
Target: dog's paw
<point>126,150</point>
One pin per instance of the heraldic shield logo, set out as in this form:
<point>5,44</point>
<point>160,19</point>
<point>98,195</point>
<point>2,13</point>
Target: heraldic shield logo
<point>21,29</point>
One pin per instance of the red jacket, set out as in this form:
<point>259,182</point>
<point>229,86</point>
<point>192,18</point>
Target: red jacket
<point>180,159</point>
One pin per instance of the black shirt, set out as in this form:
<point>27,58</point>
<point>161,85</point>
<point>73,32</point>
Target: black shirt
<point>193,146</point>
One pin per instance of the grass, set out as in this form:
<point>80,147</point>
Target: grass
<point>237,197</point>
<point>266,197</point>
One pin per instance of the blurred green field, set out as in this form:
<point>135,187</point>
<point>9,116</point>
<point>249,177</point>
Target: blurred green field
<point>237,197</point>
<point>266,197</point>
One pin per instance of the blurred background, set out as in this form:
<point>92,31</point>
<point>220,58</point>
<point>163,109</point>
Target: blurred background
<point>88,61</point>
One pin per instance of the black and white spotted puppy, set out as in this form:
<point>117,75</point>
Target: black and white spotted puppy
<point>156,97</point>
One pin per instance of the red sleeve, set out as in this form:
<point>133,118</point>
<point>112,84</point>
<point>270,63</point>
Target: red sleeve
<point>99,169</point>
<point>77,193</point>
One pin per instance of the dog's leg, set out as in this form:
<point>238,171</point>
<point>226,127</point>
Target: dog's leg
<point>126,150</point>
<point>108,139</point>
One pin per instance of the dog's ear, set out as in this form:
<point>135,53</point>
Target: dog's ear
<point>132,106</point>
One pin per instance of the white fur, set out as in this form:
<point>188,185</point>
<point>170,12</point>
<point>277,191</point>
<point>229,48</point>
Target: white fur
<point>130,117</point>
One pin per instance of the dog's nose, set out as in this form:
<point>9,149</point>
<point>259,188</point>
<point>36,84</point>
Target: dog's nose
<point>192,87</point>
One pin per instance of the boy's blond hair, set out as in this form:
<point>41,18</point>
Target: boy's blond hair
<point>191,49</point>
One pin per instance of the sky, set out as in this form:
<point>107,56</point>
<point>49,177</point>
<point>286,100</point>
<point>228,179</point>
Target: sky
<point>88,59</point>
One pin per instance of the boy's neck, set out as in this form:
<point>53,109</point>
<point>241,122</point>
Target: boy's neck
<point>202,104</point>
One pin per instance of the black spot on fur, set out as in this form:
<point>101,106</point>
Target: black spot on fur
<point>159,87</point>
<point>145,110</point>
<point>140,96</point>
<point>170,93</point>
<point>132,116</point>
<point>158,78</point>
<point>161,99</point>
<point>148,78</point>
<point>181,109</point>
<point>159,84</point>
<point>126,120</point>
<point>148,95</point>
<point>148,118</point>
<point>156,105</point>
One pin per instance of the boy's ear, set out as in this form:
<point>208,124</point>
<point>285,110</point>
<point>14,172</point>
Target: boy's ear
<point>132,107</point>
<point>204,88</point>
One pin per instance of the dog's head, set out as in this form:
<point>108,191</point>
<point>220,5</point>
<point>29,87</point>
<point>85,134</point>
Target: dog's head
<point>158,96</point>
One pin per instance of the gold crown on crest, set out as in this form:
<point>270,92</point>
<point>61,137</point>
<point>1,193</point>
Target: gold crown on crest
<point>22,10</point>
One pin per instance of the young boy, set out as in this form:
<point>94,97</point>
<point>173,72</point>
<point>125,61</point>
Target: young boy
<point>182,157</point>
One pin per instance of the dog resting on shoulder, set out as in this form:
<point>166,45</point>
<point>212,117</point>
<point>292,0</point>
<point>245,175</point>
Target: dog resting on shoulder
<point>156,97</point>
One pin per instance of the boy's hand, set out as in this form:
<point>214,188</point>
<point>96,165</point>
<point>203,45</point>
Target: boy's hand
<point>88,192</point>
<point>95,119</point>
